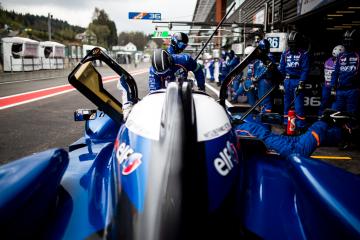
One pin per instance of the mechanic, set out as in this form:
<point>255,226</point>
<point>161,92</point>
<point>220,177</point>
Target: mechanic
<point>211,66</point>
<point>170,67</point>
<point>222,66</point>
<point>178,43</point>
<point>294,66</point>
<point>230,62</point>
<point>345,80</point>
<point>247,85</point>
<point>262,76</point>
<point>329,67</point>
<point>329,130</point>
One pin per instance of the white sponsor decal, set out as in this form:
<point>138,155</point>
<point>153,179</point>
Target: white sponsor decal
<point>348,68</point>
<point>292,64</point>
<point>128,159</point>
<point>224,163</point>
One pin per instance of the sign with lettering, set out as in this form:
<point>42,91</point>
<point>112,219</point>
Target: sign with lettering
<point>161,34</point>
<point>144,16</point>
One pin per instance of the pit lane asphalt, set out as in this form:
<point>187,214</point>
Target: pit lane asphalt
<point>48,123</point>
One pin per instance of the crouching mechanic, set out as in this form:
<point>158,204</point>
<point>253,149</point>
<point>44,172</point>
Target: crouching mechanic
<point>170,67</point>
<point>329,130</point>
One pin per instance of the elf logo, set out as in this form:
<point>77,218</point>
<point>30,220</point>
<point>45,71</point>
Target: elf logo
<point>292,64</point>
<point>127,159</point>
<point>351,68</point>
<point>225,162</point>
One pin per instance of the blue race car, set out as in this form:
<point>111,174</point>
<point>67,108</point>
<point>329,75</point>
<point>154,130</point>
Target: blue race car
<point>175,169</point>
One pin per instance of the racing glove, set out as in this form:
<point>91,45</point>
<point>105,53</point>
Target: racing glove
<point>300,87</point>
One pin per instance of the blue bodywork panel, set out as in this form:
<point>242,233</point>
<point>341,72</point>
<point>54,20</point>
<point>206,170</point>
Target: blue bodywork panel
<point>75,195</point>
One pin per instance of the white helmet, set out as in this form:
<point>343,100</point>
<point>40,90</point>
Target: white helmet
<point>337,50</point>
<point>248,50</point>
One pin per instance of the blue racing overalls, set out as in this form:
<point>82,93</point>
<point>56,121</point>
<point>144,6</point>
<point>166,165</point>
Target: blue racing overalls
<point>247,86</point>
<point>227,66</point>
<point>329,68</point>
<point>294,66</point>
<point>263,77</point>
<point>346,80</point>
<point>211,70</point>
<point>318,134</point>
<point>183,63</point>
<point>171,50</point>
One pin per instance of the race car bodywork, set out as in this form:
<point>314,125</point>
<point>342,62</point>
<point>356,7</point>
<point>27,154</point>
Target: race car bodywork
<point>175,169</point>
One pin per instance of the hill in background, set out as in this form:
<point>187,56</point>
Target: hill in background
<point>36,27</point>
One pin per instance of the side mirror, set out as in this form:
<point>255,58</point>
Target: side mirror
<point>85,114</point>
<point>88,81</point>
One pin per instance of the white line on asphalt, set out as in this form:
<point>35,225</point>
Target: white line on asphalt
<point>55,94</point>
<point>60,86</point>
<point>35,99</point>
<point>40,79</point>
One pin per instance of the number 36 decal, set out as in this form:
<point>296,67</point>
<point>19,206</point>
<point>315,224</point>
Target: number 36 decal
<point>312,101</point>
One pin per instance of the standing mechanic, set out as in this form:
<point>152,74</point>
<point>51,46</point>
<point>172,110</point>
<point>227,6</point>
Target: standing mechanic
<point>329,68</point>
<point>169,67</point>
<point>294,66</point>
<point>230,62</point>
<point>345,80</point>
<point>262,77</point>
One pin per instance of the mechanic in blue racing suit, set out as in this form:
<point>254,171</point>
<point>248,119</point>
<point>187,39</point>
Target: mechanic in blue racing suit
<point>211,70</point>
<point>322,132</point>
<point>231,61</point>
<point>247,85</point>
<point>178,43</point>
<point>345,80</point>
<point>222,66</point>
<point>169,67</point>
<point>294,66</point>
<point>262,78</point>
<point>329,67</point>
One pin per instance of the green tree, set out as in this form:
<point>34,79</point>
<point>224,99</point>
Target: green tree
<point>104,28</point>
<point>102,33</point>
<point>62,31</point>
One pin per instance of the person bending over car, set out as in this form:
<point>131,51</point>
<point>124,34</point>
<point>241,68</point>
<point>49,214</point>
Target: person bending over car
<point>167,68</point>
<point>178,43</point>
<point>329,131</point>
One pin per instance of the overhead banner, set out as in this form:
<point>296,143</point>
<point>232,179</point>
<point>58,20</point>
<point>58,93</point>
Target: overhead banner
<point>305,6</point>
<point>144,16</point>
